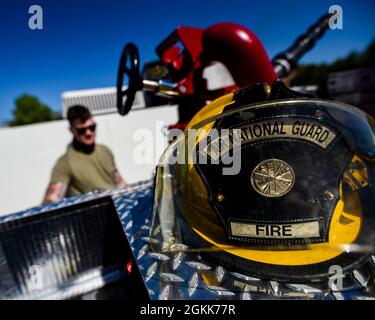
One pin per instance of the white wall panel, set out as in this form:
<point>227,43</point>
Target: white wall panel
<point>28,153</point>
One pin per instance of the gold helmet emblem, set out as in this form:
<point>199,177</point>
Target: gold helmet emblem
<point>272,178</point>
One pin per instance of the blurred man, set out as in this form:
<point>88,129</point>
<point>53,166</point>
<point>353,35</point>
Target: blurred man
<point>85,166</point>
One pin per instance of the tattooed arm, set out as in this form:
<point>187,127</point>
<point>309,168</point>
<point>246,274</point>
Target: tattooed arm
<point>59,182</point>
<point>55,192</point>
<point>118,180</point>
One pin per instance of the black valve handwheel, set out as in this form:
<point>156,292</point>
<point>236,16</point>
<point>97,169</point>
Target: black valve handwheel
<point>130,52</point>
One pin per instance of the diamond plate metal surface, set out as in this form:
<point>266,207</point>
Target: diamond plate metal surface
<point>185,275</point>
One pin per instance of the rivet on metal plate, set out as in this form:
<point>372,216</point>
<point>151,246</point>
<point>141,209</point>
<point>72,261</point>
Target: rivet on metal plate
<point>177,260</point>
<point>142,252</point>
<point>159,256</point>
<point>220,291</point>
<point>244,277</point>
<point>198,265</point>
<point>328,195</point>
<point>164,293</point>
<point>360,278</point>
<point>246,295</point>
<point>171,277</point>
<point>219,272</point>
<point>275,286</point>
<point>303,288</point>
<point>151,271</point>
<point>193,283</point>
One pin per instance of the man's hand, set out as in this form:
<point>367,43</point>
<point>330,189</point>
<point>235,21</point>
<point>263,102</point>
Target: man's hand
<point>55,192</point>
<point>118,180</point>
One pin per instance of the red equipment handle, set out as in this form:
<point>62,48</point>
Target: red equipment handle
<point>240,51</point>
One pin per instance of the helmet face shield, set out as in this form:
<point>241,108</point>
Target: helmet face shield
<point>283,190</point>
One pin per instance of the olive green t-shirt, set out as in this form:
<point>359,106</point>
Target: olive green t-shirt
<point>83,172</point>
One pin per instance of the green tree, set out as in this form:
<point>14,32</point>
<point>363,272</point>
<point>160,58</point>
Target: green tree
<point>315,73</point>
<point>29,109</point>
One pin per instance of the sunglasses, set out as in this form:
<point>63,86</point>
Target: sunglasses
<point>82,131</point>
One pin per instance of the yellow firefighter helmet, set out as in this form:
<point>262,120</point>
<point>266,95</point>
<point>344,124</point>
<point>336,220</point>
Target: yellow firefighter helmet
<point>273,184</point>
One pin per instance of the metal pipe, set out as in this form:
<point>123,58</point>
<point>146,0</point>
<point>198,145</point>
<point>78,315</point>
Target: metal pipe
<point>285,62</point>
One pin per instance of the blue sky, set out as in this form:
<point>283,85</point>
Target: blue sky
<point>81,42</point>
